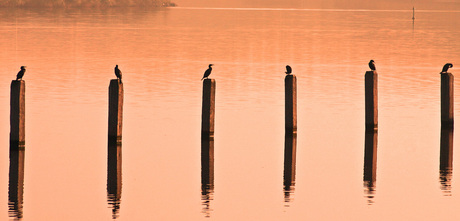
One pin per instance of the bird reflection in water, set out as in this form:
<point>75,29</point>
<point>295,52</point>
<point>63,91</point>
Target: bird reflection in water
<point>370,165</point>
<point>290,148</point>
<point>114,176</point>
<point>16,182</point>
<point>207,174</point>
<point>445,160</point>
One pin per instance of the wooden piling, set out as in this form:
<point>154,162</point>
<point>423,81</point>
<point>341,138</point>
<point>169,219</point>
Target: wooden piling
<point>17,146</point>
<point>208,107</point>
<point>290,89</point>
<point>115,110</point>
<point>16,183</point>
<point>447,100</point>
<point>371,99</point>
<point>17,114</point>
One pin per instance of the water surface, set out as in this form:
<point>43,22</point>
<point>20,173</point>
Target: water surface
<point>70,56</point>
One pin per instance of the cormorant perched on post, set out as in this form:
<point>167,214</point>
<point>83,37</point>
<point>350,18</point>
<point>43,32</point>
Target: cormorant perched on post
<point>372,65</point>
<point>21,73</point>
<point>288,69</point>
<point>118,73</point>
<point>207,72</point>
<point>446,67</point>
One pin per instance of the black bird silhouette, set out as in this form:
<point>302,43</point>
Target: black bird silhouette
<point>288,69</point>
<point>21,73</point>
<point>118,72</point>
<point>207,72</point>
<point>372,65</point>
<point>446,67</point>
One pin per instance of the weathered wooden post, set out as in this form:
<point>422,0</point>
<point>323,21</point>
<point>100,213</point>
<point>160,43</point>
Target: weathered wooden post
<point>115,110</point>
<point>290,150</point>
<point>447,99</point>
<point>114,176</point>
<point>16,183</point>
<point>370,163</point>
<point>208,107</point>
<point>17,114</point>
<point>290,89</point>
<point>371,99</point>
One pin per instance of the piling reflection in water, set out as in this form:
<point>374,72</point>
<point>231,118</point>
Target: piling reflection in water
<point>207,173</point>
<point>370,164</point>
<point>445,160</point>
<point>114,176</point>
<point>290,148</point>
<point>16,182</point>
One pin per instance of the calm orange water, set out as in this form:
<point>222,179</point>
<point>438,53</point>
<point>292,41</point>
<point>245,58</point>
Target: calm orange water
<point>163,53</point>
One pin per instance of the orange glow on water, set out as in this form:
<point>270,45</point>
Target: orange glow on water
<point>163,53</point>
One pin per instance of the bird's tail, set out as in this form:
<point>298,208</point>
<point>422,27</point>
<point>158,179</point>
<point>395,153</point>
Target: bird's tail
<point>202,78</point>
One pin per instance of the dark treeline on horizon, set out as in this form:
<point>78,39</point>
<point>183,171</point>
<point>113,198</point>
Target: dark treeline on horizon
<point>85,3</point>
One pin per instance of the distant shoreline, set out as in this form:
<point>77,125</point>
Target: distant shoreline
<point>85,4</point>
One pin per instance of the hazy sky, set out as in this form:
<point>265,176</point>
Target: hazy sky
<point>355,4</point>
